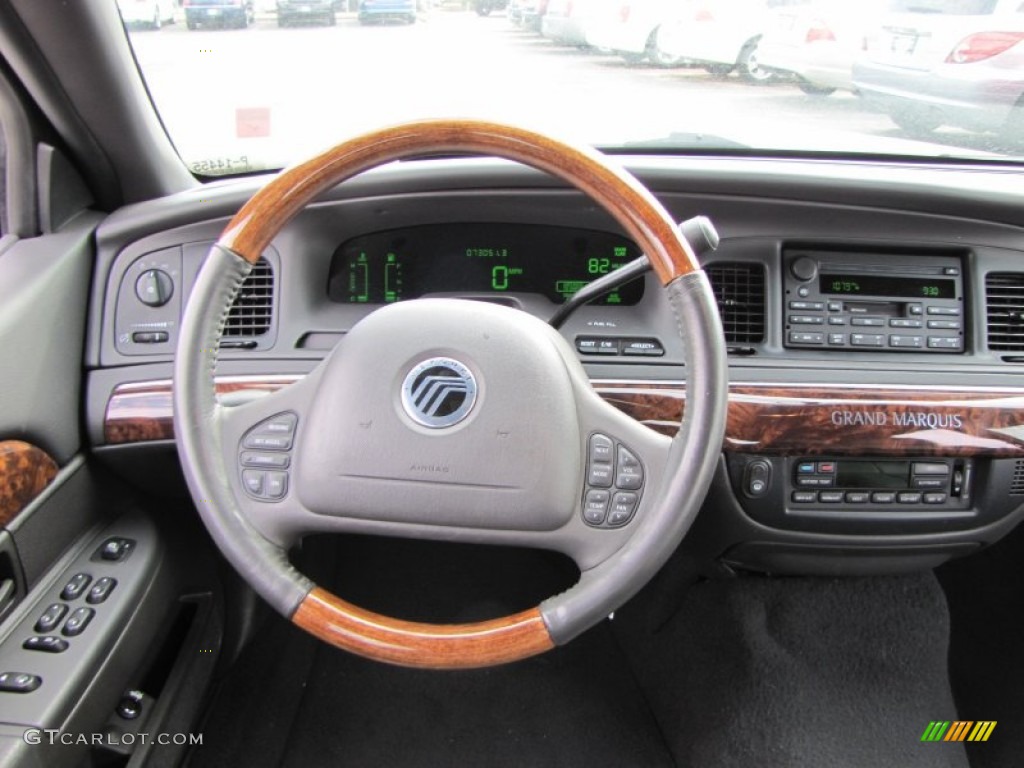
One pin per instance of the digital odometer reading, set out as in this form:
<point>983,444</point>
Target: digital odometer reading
<point>879,285</point>
<point>479,259</point>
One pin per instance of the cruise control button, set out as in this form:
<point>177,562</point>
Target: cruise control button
<point>46,644</point>
<point>623,507</point>
<point>254,481</point>
<point>282,424</point>
<point>51,617</point>
<point>19,682</point>
<point>602,449</point>
<point>101,590</point>
<point>595,506</point>
<point>78,621</point>
<point>266,460</point>
<point>277,485</point>
<point>75,586</point>
<point>267,442</point>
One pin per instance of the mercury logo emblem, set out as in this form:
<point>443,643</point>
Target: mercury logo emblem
<point>439,392</point>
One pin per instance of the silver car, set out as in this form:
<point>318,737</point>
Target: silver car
<point>947,62</point>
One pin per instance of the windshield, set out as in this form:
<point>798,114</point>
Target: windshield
<point>245,85</point>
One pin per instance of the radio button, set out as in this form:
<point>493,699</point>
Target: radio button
<point>912,342</point>
<point>904,322</point>
<point>915,309</point>
<point>836,320</point>
<point>930,468</point>
<point>867,340</point>
<point>798,337</point>
<point>947,311</point>
<point>835,306</point>
<point>935,498</point>
<point>857,497</point>
<point>830,497</point>
<point>944,325</point>
<point>807,306</point>
<point>837,339</point>
<point>804,497</point>
<point>883,497</point>
<point>953,271</point>
<point>876,322</point>
<point>806,319</point>
<point>908,497</point>
<point>943,342</point>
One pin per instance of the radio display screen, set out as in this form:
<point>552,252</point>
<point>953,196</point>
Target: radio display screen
<point>488,259</point>
<point>873,474</point>
<point>880,285</point>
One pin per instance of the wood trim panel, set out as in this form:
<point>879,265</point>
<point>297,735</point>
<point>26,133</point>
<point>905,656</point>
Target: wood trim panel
<point>849,420</point>
<point>778,419</point>
<point>142,412</point>
<point>25,471</point>
<point>249,233</point>
<point>428,646</point>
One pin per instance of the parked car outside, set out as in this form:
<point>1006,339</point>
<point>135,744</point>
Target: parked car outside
<point>566,21</point>
<point>149,13</point>
<point>380,11</point>
<point>723,35</point>
<point>818,43</point>
<point>948,62</point>
<point>486,7</point>
<point>305,11</point>
<point>633,29</point>
<point>227,13</point>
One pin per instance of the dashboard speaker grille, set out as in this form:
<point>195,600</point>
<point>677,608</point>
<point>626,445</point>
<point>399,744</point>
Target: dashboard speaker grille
<point>739,291</point>
<point>1005,295</point>
<point>253,310</point>
<point>1017,484</point>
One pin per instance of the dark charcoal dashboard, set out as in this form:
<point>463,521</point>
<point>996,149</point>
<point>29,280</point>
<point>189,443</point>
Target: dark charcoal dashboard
<point>874,316</point>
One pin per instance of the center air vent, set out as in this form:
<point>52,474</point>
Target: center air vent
<point>739,291</point>
<point>1005,309</point>
<point>1017,484</point>
<point>253,310</point>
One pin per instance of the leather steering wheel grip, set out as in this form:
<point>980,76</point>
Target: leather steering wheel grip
<point>693,454</point>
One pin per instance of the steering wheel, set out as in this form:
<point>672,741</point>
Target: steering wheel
<point>448,419</point>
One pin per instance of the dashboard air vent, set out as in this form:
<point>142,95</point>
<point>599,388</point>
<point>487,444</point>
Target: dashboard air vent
<point>253,310</point>
<point>739,291</point>
<point>1017,484</point>
<point>1005,295</point>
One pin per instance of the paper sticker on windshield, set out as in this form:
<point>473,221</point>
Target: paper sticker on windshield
<point>252,122</point>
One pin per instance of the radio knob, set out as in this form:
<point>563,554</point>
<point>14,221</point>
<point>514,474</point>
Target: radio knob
<point>804,269</point>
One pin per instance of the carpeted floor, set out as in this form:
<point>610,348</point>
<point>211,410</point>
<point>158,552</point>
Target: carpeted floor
<point>756,671</point>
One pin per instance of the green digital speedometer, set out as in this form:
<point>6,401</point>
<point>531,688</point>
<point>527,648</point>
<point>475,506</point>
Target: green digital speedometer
<point>479,259</point>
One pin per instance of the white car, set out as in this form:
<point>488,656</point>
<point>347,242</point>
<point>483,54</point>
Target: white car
<point>818,43</point>
<point>722,35</point>
<point>152,13</point>
<point>633,28</point>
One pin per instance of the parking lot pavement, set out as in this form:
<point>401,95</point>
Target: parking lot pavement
<point>280,93</point>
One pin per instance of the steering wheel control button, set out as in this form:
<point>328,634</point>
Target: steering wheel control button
<point>114,549</point>
<point>264,470</point>
<point>266,460</point>
<point>600,475</point>
<point>629,475</point>
<point>100,591</point>
<point>78,621</point>
<point>51,618</point>
<point>76,585</point>
<point>622,509</point>
<point>595,508</point>
<point>254,481</point>
<point>439,392</point>
<point>46,644</point>
<point>602,449</point>
<point>276,485</point>
<point>19,682</point>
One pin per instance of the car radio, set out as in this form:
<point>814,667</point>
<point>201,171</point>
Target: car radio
<point>873,302</point>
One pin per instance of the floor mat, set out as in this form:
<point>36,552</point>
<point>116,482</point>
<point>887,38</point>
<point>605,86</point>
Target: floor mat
<point>800,672</point>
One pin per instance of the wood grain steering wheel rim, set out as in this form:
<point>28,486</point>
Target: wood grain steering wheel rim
<point>248,234</point>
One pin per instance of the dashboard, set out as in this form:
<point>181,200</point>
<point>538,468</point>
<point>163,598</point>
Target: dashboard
<point>874,317</point>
